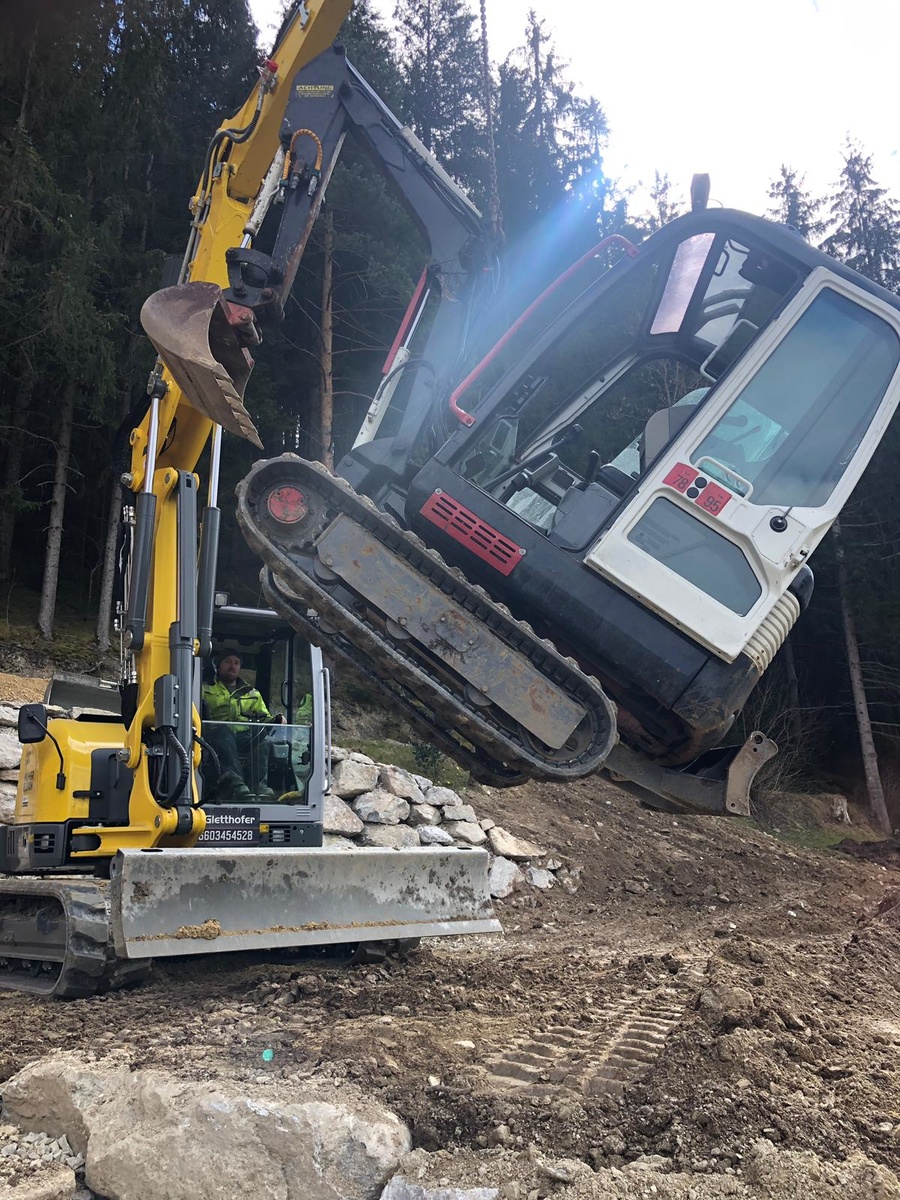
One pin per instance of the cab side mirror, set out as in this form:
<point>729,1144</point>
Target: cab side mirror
<point>32,723</point>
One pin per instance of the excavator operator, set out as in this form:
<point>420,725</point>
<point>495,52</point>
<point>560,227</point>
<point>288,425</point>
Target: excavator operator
<point>233,710</point>
<point>231,698</point>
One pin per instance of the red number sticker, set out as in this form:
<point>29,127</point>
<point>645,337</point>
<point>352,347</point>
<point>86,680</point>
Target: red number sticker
<point>713,499</point>
<point>681,477</point>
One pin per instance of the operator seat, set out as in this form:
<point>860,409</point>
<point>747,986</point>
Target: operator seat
<point>662,428</point>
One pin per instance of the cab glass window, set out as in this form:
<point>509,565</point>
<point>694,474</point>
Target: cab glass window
<point>690,548</point>
<point>795,427</point>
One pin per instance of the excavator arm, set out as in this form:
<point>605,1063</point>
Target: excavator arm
<point>168,615</point>
<point>265,172</point>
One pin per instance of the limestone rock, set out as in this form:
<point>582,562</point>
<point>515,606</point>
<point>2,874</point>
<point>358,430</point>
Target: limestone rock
<point>570,878</point>
<point>10,750</point>
<point>11,776</point>
<point>338,754</point>
<point>53,1095</point>
<point>503,878</point>
<point>424,814</point>
<point>469,832</point>
<point>401,1188</point>
<point>9,715</point>
<point>339,817</point>
<point>459,812</point>
<point>539,877</point>
<point>381,808</point>
<point>724,1005</point>
<point>351,778</point>
<point>334,841</point>
<point>153,1137</point>
<point>508,846</point>
<point>439,796</point>
<point>486,823</point>
<point>400,783</point>
<point>7,803</point>
<point>424,784</point>
<point>434,835</point>
<point>358,757</point>
<point>393,837</point>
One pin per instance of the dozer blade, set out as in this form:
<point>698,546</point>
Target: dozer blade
<point>189,327</point>
<point>208,902</point>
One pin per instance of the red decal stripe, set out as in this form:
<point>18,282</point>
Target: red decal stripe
<point>470,531</point>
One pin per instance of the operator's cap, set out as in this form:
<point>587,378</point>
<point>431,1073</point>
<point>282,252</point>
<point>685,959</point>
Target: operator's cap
<point>229,652</point>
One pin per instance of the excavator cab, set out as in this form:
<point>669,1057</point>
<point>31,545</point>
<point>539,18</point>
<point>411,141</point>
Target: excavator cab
<point>263,701</point>
<point>638,482</point>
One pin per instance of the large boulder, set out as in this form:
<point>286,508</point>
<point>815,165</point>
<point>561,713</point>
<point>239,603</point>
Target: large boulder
<point>9,715</point>
<point>381,808</point>
<point>391,837</point>
<point>440,796</point>
<point>150,1136</point>
<point>469,832</point>
<point>434,835</point>
<point>339,817</point>
<point>400,783</point>
<point>503,878</point>
<point>424,814</point>
<point>459,812</point>
<point>7,803</point>
<point>10,749</point>
<point>351,778</point>
<point>508,846</point>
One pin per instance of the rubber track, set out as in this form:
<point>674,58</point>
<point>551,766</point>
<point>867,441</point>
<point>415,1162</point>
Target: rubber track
<point>88,964</point>
<point>480,768</point>
<point>509,759</point>
<point>635,1028</point>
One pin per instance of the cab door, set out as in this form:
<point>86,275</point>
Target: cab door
<point>735,504</point>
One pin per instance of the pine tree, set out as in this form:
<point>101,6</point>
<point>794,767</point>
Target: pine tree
<point>440,63</point>
<point>665,205</point>
<point>794,206</point>
<point>867,220</point>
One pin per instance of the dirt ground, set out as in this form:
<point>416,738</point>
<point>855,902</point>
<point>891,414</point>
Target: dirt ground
<point>706,986</point>
<point>26,689</point>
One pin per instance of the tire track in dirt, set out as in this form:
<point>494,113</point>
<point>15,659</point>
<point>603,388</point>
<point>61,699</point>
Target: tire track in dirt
<point>635,1027</point>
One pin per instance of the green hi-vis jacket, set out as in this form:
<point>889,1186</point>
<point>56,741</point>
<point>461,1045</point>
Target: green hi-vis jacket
<point>242,704</point>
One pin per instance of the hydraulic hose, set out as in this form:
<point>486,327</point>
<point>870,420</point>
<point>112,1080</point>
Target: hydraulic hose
<point>207,749</point>
<point>173,743</point>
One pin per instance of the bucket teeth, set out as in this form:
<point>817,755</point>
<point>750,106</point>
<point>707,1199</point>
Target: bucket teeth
<point>189,327</point>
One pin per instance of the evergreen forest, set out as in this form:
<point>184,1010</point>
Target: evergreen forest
<point>106,108</point>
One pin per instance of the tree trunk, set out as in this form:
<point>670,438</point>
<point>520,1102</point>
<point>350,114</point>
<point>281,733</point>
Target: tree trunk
<point>107,579</point>
<point>874,790</point>
<point>793,685</point>
<point>9,509</point>
<point>326,403</point>
<point>47,609</point>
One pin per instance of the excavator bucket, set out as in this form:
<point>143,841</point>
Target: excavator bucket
<point>190,329</point>
<point>256,898</point>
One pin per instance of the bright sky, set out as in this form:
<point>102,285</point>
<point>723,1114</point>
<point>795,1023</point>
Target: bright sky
<point>734,89</point>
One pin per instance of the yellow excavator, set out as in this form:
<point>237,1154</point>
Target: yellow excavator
<point>124,849</point>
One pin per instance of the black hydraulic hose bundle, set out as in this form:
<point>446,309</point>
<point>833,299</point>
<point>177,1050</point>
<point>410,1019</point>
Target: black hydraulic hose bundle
<point>177,789</point>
